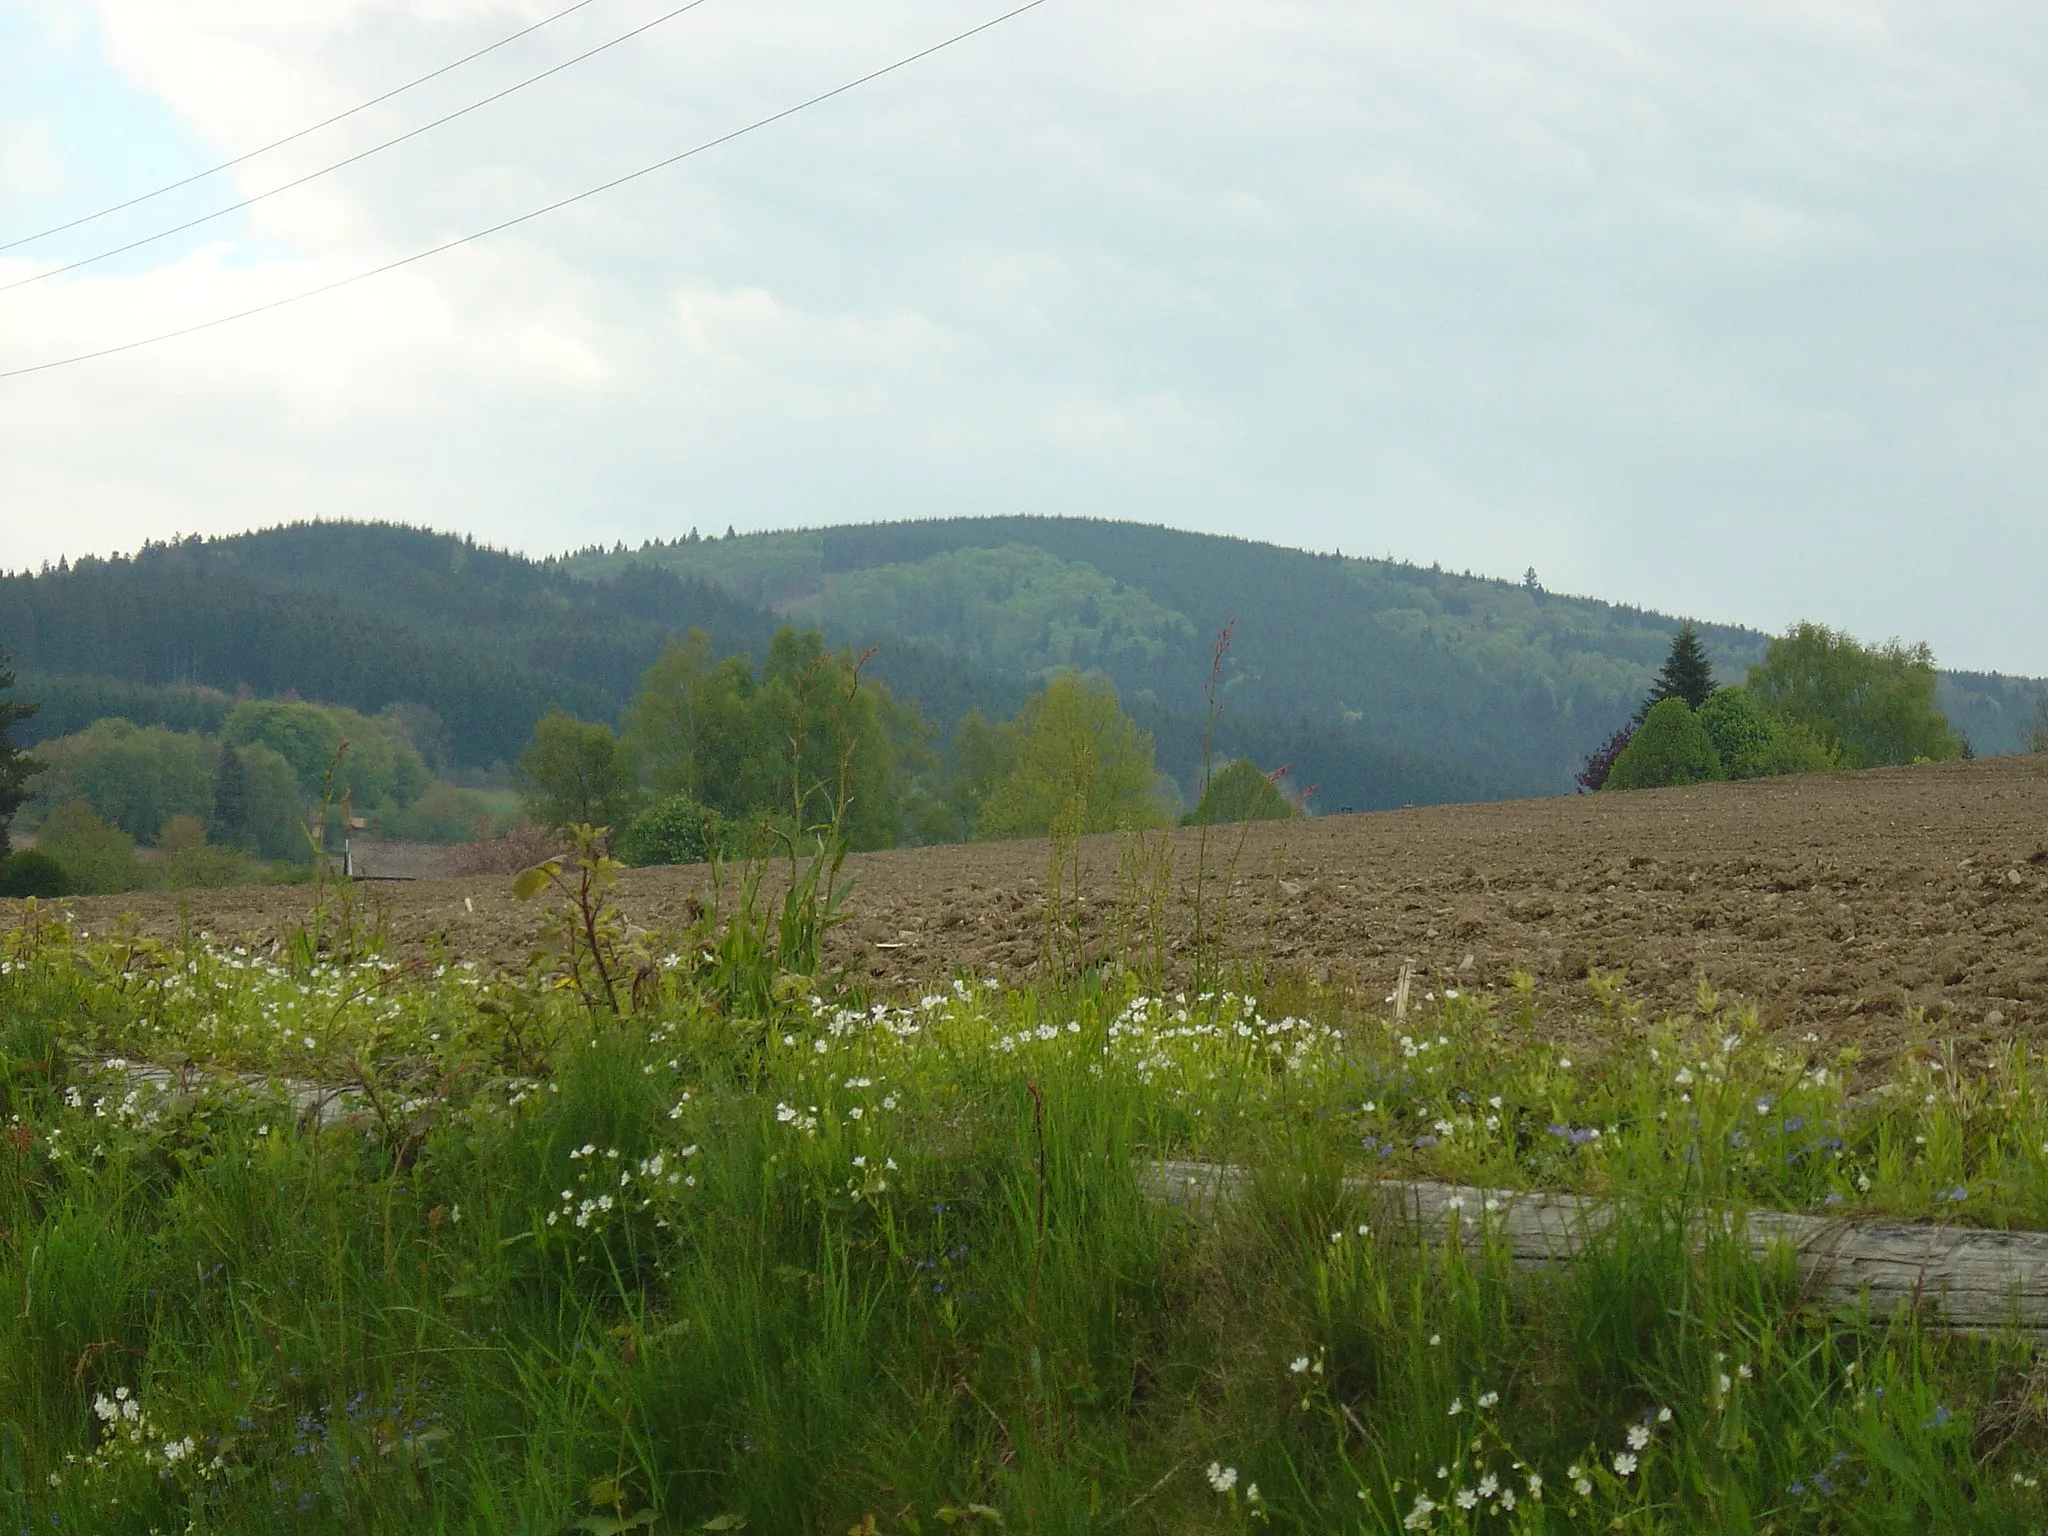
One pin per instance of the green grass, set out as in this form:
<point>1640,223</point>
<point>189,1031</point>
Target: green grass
<point>877,1269</point>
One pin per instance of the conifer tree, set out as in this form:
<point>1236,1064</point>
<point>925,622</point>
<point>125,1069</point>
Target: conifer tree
<point>1686,675</point>
<point>230,823</point>
<point>16,766</point>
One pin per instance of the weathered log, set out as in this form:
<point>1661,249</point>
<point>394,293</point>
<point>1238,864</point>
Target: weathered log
<point>1961,1279</point>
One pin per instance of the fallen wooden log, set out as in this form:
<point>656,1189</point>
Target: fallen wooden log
<point>1961,1279</point>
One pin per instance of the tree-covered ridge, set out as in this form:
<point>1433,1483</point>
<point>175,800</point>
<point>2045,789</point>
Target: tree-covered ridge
<point>1014,608</point>
<point>1504,679</point>
<point>1382,683</point>
<point>363,616</point>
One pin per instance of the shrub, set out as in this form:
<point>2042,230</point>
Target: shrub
<point>1242,791</point>
<point>447,813</point>
<point>1742,732</point>
<point>1670,747</point>
<point>517,848</point>
<point>33,873</point>
<point>188,862</point>
<point>676,830</point>
<point>94,856</point>
<point>1593,777</point>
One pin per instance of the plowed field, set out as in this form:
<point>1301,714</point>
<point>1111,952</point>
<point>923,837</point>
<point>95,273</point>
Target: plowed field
<point>1847,905</point>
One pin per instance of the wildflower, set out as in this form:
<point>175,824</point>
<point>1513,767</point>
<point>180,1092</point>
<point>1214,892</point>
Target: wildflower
<point>1457,1407</point>
<point>1663,1415</point>
<point>1624,1463</point>
<point>1465,1498</point>
<point>1298,1364</point>
<point>1489,1485</point>
<point>1221,1478</point>
<point>1535,1481</point>
<point>1418,1517</point>
<point>1638,1437</point>
<point>1507,1498</point>
<point>1488,1399</point>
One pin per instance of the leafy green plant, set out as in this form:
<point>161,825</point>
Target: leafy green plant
<point>590,947</point>
<point>1671,746</point>
<point>1872,704</point>
<point>676,830</point>
<point>1242,791</point>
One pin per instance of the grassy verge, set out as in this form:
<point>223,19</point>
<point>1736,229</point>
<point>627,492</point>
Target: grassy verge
<point>811,1266</point>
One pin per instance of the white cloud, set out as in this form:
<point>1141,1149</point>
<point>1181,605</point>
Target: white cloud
<point>1730,308</point>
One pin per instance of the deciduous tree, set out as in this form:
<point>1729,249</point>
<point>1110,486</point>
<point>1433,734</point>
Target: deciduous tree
<point>575,772</point>
<point>1874,704</point>
<point>1073,744</point>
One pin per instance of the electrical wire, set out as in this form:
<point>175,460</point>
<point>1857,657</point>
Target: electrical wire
<point>528,217</point>
<point>325,122</point>
<point>300,181</point>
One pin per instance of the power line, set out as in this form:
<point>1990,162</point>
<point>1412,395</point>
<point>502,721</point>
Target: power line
<point>524,218</point>
<point>300,181</point>
<point>325,122</point>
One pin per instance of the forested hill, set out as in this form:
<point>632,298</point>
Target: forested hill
<point>1510,682</point>
<point>362,615</point>
<point>1378,682</point>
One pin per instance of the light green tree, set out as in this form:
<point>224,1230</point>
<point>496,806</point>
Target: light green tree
<point>1072,746</point>
<point>134,777</point>
<point>95,857</point>
<point>575,772</point>
<point>1872,704</point>
<point>1753,743</point>
<point>809,742</point>
<point>379,768</point>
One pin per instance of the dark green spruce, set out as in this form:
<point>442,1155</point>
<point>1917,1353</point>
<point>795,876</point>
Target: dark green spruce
<point>1686,673</point>
<point>16,766</point>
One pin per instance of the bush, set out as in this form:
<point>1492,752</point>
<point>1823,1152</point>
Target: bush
<point>1593,777</point>
<point>1241,792</point>
<point>1670,747</point>
<point>95,857</point>
<point>1742,732</point>
<point>447,813</point>
<point>517,848</point>
<point>1754,743</point>
<point>674,831</point>
<point>188,862</point>
<point>33,873</point>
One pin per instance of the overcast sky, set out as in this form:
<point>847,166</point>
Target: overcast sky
<point>1731,309</point>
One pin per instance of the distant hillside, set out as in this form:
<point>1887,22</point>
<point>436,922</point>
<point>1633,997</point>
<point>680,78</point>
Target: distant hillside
<point>1377,683</point>
<point>362,615</point>
<point>1511,683</point>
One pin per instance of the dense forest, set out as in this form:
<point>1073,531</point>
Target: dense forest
<point>1374,683</point>
<point>1496,686</point>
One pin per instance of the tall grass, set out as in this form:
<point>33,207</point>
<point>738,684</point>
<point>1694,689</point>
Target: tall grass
<point>894,1268</point>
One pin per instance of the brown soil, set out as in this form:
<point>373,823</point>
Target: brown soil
<point>1842,904</point>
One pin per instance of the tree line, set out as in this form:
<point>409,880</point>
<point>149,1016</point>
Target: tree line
<point>119,805</point>
<point>1818,699</point>
<point>715,756</point>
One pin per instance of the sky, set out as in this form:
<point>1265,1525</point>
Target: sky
<point>1727,309</point>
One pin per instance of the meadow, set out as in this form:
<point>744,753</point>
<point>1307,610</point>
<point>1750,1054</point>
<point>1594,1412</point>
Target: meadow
<point>679,1232</point>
